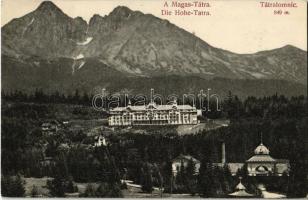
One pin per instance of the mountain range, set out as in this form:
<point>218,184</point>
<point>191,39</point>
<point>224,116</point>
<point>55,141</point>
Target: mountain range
<point>128,50</point>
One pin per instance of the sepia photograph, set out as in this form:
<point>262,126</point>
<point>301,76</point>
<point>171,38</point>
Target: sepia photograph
<point>154,99</point>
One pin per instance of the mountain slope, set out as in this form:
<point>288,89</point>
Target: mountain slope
<point>130,44</point>
<point>54,75</point>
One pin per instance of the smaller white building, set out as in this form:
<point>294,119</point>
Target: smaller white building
<point>240,191</point>
<point>262,164</point>
<point>50,127</point>
<point>100,141</point>
<point>183,160</point>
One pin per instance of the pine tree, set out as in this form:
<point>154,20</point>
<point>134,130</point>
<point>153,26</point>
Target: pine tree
<point>115,191</point>
<point>90,191</point>
<point>34,191</point>
<point>76,98</point>
<point>71,188</point>
<point>86,99</point>
<point>56,187</point>
<point>190,178</point>
<point>206,180</point>
<point>167,174</point>
<point>102,190</point>
<point>147,185</point>
<point>298,184</point>
<point>12,186</point>
<point>228,180</point>
<point>106,190</point>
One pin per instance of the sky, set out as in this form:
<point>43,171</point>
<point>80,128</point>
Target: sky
<point>240,26</point>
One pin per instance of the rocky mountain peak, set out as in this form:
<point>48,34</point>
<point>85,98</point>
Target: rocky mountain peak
<point>284,51</point>
<point>45,32</point>
<point>290,48</point>
<point>121,11</point>
<point>49,7</point>
<point>80,20</point>
<point>95,19</point>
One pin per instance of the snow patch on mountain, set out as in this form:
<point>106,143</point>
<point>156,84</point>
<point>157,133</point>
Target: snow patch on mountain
<point>80,56</point>
<point>208,73</point>
<point>257,75</point>
<point>103,61</point>
<point>254,74</point>
<point>27,26</point>
<point>73,67</point>
<point>206,56</point>
<point>77,64</point>
<point>138,71</point>
<point>87,41</point>
<point>266,72</point>
<point>37,63</point>
<point>81,64</point>
<point>31,22</point>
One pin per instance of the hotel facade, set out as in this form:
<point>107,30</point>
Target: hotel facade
<point>153,114</point>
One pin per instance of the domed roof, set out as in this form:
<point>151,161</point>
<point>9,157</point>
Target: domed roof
<point>261,149</point>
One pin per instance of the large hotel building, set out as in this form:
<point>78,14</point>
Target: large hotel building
<point>153,114</point>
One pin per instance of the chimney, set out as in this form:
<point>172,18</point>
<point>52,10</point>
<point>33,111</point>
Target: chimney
<point>223,153</point>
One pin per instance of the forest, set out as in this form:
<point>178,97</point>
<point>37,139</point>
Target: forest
<point>146,158</point>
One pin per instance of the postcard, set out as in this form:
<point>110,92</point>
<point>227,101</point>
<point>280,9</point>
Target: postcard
<point>154,98</point>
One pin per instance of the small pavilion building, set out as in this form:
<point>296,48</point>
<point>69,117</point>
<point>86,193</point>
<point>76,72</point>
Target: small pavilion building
<point>240,191</point>
<point>262,164</point>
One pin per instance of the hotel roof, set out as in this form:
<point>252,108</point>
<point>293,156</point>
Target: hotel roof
<point>153,107</point>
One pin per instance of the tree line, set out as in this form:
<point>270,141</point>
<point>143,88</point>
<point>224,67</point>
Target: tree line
<point>146,158</point>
